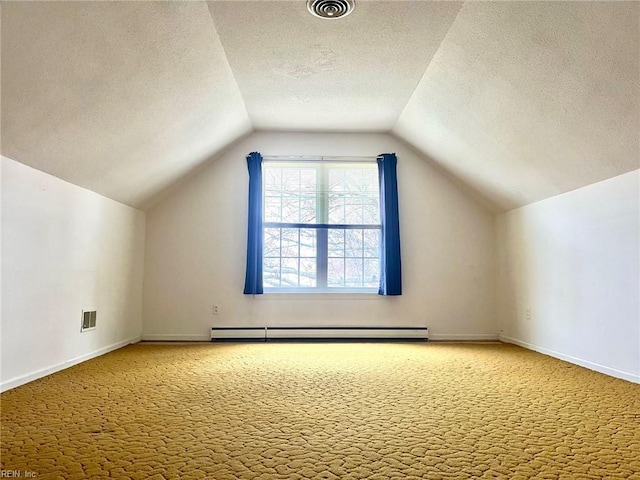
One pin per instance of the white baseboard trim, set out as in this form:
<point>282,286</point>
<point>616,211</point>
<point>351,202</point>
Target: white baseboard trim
<point>464,337</point>
<point>613,372</point>
<point>17,381</point>
<point>163,337</point>
<point>451,337</point>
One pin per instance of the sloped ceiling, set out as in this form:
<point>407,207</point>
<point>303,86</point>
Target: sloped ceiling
<point>526,100</point>
<point>122,98</point>
<point>518,100</point>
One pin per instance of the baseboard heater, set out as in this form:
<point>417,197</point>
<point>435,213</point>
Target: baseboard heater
<point>266,334</point>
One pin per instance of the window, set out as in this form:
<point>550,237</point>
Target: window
<point>327,226</point>
<point>321,226</point>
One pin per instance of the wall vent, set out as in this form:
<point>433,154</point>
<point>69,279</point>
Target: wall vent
<point>88,320</point>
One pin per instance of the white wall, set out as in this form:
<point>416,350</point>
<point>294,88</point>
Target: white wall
<point>64,249</point>
<point>573,261</point>
<point>196,249</point>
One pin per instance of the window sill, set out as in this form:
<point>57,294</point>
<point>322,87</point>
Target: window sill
<point>316,294</point>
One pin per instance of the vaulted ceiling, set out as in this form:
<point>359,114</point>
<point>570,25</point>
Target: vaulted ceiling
<point>519,100</point>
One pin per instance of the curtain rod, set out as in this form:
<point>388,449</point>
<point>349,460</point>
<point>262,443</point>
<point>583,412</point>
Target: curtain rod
<point>323,158</point>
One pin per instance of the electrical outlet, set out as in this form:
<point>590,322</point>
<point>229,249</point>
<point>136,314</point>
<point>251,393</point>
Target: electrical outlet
<point>216,309</point>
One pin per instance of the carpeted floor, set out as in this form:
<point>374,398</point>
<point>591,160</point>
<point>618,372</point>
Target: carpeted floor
<point>312,411</point>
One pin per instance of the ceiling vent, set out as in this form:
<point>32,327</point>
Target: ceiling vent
<point>330,8</point>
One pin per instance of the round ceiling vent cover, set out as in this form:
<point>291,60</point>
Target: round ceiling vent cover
<point>330,8</point>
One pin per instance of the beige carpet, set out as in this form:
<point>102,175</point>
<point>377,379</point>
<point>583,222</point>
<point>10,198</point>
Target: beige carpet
<point>340,411</point>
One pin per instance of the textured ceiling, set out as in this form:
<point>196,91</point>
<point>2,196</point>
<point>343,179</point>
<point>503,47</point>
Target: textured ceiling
<point>122,98</point>
<point>298,72</point>
<point>519,100</point>
<point>528,100</point>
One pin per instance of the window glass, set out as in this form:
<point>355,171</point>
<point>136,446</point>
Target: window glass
<point>321,226</point>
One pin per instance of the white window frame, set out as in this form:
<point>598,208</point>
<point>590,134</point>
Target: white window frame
<point>322,226</point>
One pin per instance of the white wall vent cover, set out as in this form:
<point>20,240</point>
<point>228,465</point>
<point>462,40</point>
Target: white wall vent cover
<point>88,320</point>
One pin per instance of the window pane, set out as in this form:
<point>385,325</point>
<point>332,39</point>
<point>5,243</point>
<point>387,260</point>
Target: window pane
<point>290,242</point>
<point>308,242</point>
<point>272,209</point>
<point>370,179</point>
<point>336,180</point>
<point>290,179</point>
<point>271,272</point>
<point>290,194</point>
<point>353,209</point>
<point>361,179</point>
<point>353,243</point>
<point>289,257</point>
<point>371,243</point>
<point>353,181</point>
<point>335,240</point>
<point>271,242</point>
<point>308,180</point>
<point>336,208</point>
<point>272,180</point>
<point>371,272</point>
<point>371,210</point>
<point>307,272</point>
<point>307,209</point>
<point>353,272</point>
<point>335,273</point>
<point>289,275</point>
<point>353,197</point>
<point>290,208</point>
